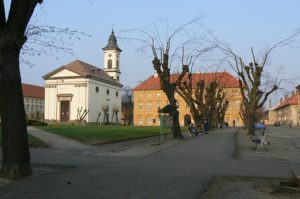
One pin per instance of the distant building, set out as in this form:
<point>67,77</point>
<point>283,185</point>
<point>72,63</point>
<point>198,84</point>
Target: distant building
<point>34,100</point>
<point>78,86</point>
<point>287,111</point>
<point>148,96</point>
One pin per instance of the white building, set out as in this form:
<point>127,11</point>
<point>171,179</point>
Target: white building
<point>78,86</point>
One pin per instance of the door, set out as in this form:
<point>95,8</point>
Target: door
<point>64,111</point>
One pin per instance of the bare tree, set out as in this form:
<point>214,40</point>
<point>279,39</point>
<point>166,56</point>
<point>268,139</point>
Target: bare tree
<point>15,152</point>
<point>254,91</point>
<point>163,56</point>
<point>14,33</point>
<point>127,104</point>
<point>205,98</point>
<point>105,114</point>
<point>81,114</point>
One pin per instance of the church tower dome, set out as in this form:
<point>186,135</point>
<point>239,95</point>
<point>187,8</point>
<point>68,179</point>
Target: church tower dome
<point>112,57</point>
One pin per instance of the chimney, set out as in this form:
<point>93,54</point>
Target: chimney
<point>298,89</point>
<point>281,100</point>
<point>298,93</point>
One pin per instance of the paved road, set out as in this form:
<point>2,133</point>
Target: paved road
<point>180,171</point>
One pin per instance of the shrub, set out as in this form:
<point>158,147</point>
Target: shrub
<point>36,123</point>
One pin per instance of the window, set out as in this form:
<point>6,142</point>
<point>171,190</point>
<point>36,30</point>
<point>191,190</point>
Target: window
<point>149,121</point>
<point>187,106</point>
<point>97,89</point>
<point>149,106</point>
<point>117,94</point>
<point>140,120</point>
<point>227,119</point>
<point>140,106</point>
<point>118,78</point>
<point>117,64</point>
<point>158,105</point>
<point>238,104</point>
<point>107,92</point>
<point>109,64</point>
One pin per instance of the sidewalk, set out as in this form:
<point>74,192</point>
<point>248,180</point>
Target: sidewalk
<point>56,141</point>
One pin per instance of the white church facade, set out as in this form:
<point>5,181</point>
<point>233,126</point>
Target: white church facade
<point>80,92</point>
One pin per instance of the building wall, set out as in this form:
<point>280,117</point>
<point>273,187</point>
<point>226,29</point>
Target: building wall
<point>82,94</point>
<point>146,103</point>
<point>287,115</point>
<point>77,88</point>
<point>34,108</point>
<point>107,96</point>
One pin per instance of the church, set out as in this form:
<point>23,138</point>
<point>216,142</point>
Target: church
<point>79,92</point>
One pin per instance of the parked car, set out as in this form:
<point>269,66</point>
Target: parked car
<point>277,124</point>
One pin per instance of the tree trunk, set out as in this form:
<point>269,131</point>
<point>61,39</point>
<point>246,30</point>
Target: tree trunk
<point>15,151</point>
<point>250,122</point>
<point>176,127</point>
<point>175,118</point>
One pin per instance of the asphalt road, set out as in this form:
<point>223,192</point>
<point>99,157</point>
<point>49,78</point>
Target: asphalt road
<point>180,171</point>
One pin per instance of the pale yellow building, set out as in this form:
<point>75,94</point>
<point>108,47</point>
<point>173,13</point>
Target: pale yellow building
<point>34,100</point>
<point>287,111</point>
<point>148,97</point>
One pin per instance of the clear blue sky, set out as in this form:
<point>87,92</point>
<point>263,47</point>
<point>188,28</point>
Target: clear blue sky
<point>242,23</point>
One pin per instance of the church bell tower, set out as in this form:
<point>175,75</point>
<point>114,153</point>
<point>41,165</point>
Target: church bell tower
<point>112,58</point>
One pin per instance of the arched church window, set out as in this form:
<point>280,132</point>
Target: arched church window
<point>107,91</point>
<point>109,64</point>
<point>117,64</point>
<point>97,89</point>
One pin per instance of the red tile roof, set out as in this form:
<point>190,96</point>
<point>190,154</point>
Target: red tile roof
<point>292,100</point>
<point>227,80</point>
<point>33,91</point>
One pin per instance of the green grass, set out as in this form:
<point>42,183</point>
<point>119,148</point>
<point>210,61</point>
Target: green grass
<point>32,141</point>
<point>98,134</point>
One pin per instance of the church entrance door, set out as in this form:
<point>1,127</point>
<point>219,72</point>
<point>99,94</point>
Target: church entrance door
<point>64,111</point>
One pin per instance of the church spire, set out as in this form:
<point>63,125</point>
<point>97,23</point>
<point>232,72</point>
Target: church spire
<point>112,42</point>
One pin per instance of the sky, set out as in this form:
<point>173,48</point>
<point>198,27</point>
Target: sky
<point>241,23</point>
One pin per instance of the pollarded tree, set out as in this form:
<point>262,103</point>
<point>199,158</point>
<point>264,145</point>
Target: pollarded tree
<point>254,89</point>
<point>163,60</point>
<point>206,99</point>
<point>15,152</point>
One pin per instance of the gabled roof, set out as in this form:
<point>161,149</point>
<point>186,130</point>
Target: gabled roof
<point>84,70</point>
<point>292,100</point>
<point>33,91</point>
<point>225,78</point>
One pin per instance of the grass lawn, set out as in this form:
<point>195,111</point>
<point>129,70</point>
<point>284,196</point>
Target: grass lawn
<point>98,134</point>
<point>32,141</point>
